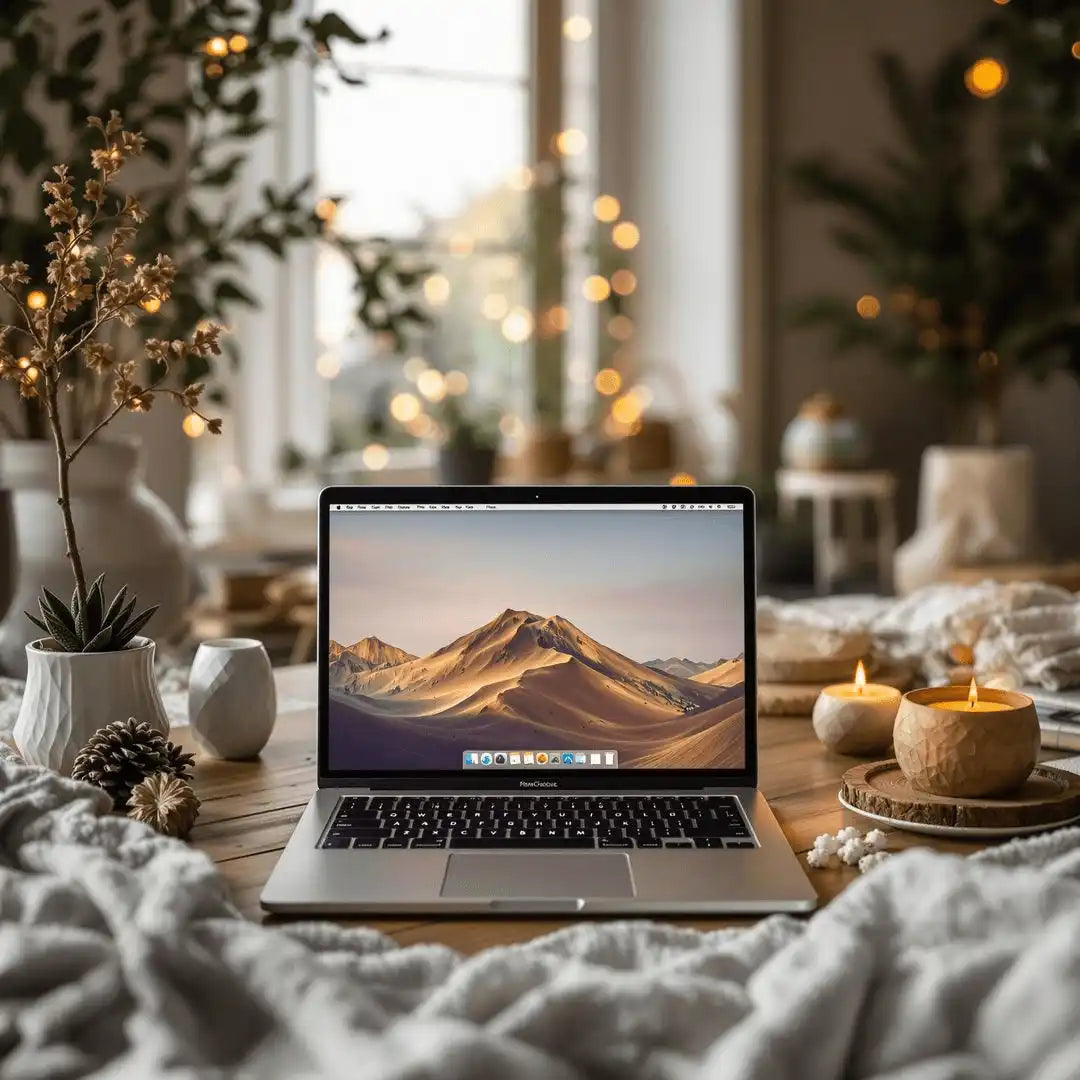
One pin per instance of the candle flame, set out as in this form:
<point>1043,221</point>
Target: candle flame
<point>973,694</point>
<point>860,677</point>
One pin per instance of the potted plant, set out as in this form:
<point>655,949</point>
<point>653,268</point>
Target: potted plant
<point>971,277</point>
<point>91,667</point>
<point>469,443</point>
<point>193,78</point>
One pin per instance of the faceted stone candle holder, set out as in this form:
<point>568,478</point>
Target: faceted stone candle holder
<point>963,754</point>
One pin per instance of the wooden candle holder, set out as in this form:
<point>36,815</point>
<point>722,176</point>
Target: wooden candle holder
<point>964,754</point>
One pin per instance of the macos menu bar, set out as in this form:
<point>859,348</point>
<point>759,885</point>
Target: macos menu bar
<point>412,508</point>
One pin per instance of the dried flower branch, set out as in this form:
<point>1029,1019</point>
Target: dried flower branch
<point>91,287</point>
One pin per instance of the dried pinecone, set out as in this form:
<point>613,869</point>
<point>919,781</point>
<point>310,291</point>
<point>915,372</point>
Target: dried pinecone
<point>121,754</point>
<point>166,803</point>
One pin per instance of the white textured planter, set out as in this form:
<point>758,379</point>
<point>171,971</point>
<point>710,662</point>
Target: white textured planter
<point>232,703</point>
<point>124,530</point>
<point>976,505</point>
<point>70,695</point>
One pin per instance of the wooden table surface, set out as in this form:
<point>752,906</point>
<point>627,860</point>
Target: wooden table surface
<point>249,809</point>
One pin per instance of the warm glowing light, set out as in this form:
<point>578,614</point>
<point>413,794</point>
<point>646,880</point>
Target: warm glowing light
<point>973,694</point>
<point>621,327</point>
<point>421,427</point>
<point>624,282</point>
<point>326,209</point>
<point>238,43</point>
<point>608,381</point>
<point>643,395</point>
<point>596,288</point>
<point>625,235</point>
<point>432,384</point>
<point>151,305</point>
<point>216,46</point>
<point>404,407</point>
<point>129,258</point>
<point>495,306</point>
<point>328,365</point>
<point>32,374</point>
<point>556,320</point>
<point>606,208</point>
<point>571,142</point>
<point>683,479</point>
<point>868,306</point>
<point>214,71</point>
<point>36,300</point>
<point>193,426</point>
<point>576,28</point>
<point>513,427</point>
<point>375,456</point>
<point>518,325</point>
<point>860,677</point>
<point>626,409</point>
<point>457,382</point>
<point>986,77</point>
<point>461,245</point>
<point>521,179</point>
<point>1001,3</point>
<point>1075,50</point>
<point>414,367</point>
<point>24,362</point>
<point>437,289</point>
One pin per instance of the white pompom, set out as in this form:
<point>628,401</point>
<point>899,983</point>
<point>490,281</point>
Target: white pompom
<point>818,859</point>
<point>875,858</point>
<point>848,833</point>
<point>851,851</point>
<point>876,840</point>
<point>827,843</point>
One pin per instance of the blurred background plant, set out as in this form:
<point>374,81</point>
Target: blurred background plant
<point>188,75</point>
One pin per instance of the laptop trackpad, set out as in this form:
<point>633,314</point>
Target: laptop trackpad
<point>522,876</point>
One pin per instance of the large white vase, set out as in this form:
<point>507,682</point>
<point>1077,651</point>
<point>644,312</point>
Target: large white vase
<point>124,531</point>
<point>70,695</point>
<point>976,505</point>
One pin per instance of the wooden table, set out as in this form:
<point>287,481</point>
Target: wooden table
<point>249,810</point>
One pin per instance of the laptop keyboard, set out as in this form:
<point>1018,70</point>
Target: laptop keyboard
<point>538,822</point>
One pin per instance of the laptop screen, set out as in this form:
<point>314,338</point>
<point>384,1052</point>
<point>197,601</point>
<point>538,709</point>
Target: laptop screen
<point>544,637</point>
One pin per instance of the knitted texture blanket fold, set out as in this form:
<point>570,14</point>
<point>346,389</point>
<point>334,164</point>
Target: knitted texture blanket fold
<point>121,957</point>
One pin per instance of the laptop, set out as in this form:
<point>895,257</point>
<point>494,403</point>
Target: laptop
<point>537,701</point>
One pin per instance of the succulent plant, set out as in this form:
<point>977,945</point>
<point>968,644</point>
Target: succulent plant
<point>91,627</point>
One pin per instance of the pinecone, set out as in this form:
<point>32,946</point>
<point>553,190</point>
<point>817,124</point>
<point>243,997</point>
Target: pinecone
<point>121,754</point>
<point>166,803</point>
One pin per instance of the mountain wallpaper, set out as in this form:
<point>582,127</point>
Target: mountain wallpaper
<point>535,678</point>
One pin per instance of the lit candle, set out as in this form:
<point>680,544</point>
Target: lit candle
<point>971,703</point>
<point>856,717</point>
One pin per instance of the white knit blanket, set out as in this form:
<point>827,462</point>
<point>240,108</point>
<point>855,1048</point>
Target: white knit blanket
<point>120,957</point>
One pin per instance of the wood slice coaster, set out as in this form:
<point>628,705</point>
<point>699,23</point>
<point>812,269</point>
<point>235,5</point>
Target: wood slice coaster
<point>1048,797</point>
<point>797,699</point>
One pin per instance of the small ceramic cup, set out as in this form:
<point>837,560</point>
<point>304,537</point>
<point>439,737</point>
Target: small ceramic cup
<point>232,703</point>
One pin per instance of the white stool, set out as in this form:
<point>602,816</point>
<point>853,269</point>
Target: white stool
<point>836,551</point>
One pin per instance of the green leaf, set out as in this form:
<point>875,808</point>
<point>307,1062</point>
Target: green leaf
<point>100,642</point>
<point>51,604</point>
<point>36,621</point>
<point>135,626</point>
<point>95,607</point>
<point>83,53</point>
<point>115,606</point>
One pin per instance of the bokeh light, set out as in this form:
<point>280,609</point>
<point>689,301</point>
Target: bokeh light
<point>625,235</point>
<point>375,456</point>
<point>608,381</point>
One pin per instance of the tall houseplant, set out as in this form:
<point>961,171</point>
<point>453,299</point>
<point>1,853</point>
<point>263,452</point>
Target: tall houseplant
<point>91,668</point>
<point>970,280</point>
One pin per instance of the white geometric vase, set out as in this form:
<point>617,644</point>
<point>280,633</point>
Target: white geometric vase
<point>69,696</point>
<point>232,703</point>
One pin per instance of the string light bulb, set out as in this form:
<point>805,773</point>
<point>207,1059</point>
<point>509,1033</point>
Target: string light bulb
<point>151,305</point>
<point>577,28</point>
<point>238,43</point>
<point>437,289</point>
<point>36,300</point>
<point>625,235</point>
<point>432,384</point>
<point>1075,50</point>
<point>517,327</point>
<point>456,382</point>
<point>621,327</point>
<point>607,382</point>
<point>404,407</point>
<point>214,71</point>
<point>375,456</point>
<point>624,282</point>
<point>326,209</point>
<point>986,77</point>
<point>193,426</point>
<point>606,208</point>
<point>571,142</point>
<point>596,288</point>
<point>868,306</point>
<point>216,46</point>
